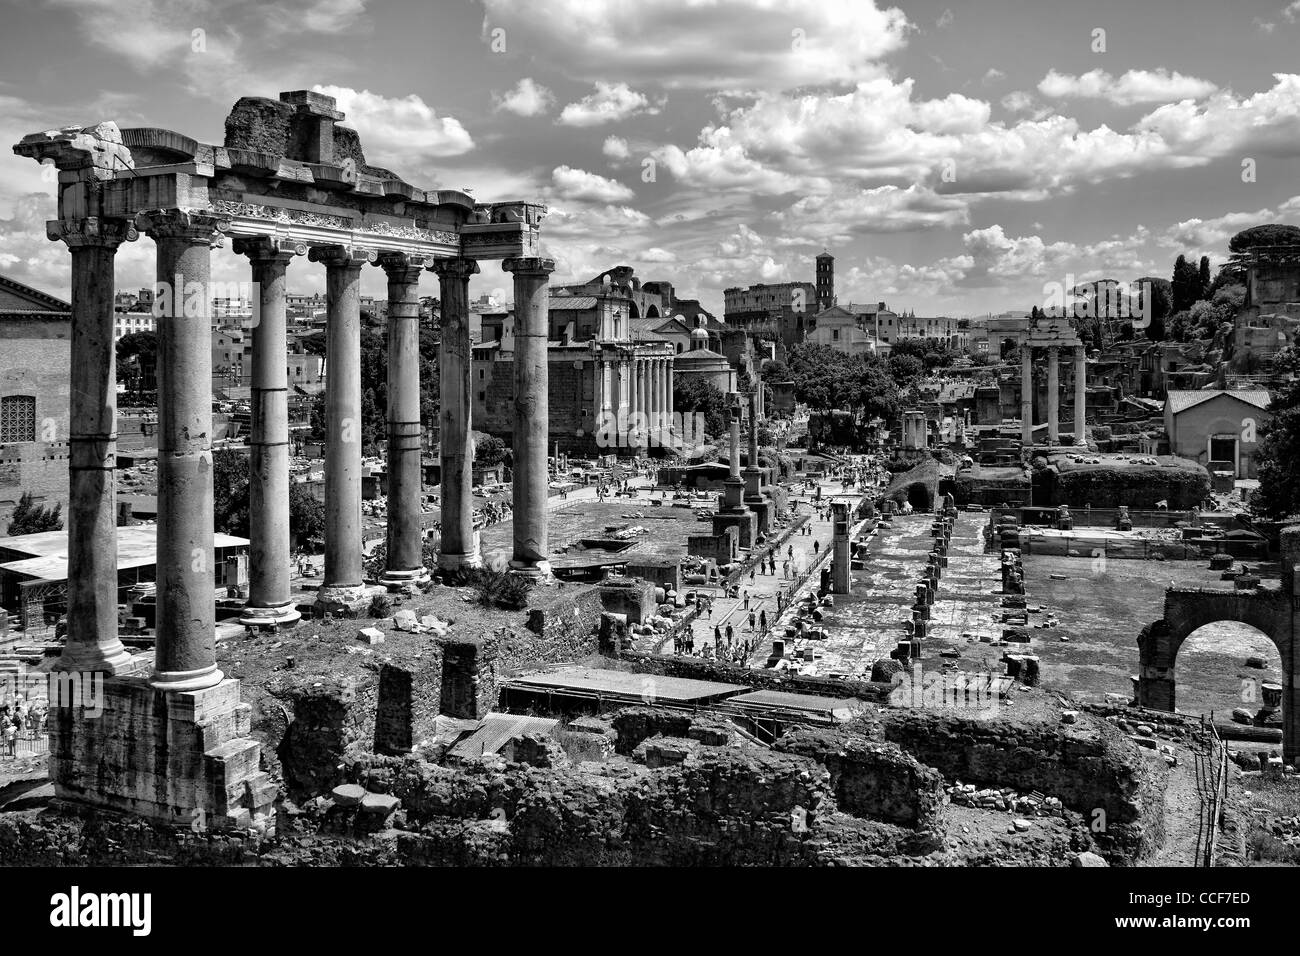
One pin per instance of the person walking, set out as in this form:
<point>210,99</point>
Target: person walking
<point>730,634</point>
<point>717,634</point>
<point>762,620</point>
<point>752,620</point>
<point>746,599</point>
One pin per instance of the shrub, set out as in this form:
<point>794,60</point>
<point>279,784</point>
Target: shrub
<point>381,605</point>
<point>502,589</point>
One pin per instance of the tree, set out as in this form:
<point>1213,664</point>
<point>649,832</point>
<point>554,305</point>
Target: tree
<point>1278,457</point>
<point>1156,296</point>
<point>695,394</point>
<point>1269,234</point>
<point>489,451</point>
<point>1186,284</point>
<point>906,369</point>
<point>775,371</point>
<point>30,518</point>
<point>230,492</point>
<point>1204,277</point>
<point>306,515</point>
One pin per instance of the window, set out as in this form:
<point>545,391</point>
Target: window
<point>835,335</point>
<point>17,419</point>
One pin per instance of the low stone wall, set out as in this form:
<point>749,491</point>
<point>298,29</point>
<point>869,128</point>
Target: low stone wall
<point>1089,765</point>
<point>871,779</point>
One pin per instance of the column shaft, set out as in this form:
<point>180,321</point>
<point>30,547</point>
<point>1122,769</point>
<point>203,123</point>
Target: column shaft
<point>1080,396</point>
<point>185,648</point>
<point>1053,395</point>
<point>532,414</point>
<point>405,541</point>
<point>269,599</point>
<point>342,583</point>
<point>1026,396</point>
<point>458,547</point>
<point>93,644</point>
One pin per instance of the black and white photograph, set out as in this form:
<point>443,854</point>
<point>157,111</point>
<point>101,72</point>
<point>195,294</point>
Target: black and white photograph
<point>845,447</point>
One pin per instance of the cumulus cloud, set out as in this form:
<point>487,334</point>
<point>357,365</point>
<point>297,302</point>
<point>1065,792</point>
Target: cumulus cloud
<point>581,185</point>
<point>884,209</point>
<point>615,147</point>
<point>402,131</point>
<point>528,98</point>
<point>1205,236</point>
<point>724,44</point>
<point>610,103</point>
<point>1135,86</point>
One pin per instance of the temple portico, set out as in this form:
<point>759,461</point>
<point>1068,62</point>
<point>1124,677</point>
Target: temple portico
<point>287,183</point>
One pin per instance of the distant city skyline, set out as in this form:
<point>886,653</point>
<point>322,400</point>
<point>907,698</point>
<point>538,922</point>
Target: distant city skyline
<point>954,160</point>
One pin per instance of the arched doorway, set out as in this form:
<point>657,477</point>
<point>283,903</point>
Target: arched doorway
<point>652,312</point>
<point>1266,612</point>
<point>1223,666</point>
<point>919,497</point>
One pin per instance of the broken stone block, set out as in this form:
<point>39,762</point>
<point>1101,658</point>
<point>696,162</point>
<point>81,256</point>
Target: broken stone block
<point>379,804</point>
<point>405,620</point>
<point>348,795</point>
<point>370,635</point>
<point>1088,859</point>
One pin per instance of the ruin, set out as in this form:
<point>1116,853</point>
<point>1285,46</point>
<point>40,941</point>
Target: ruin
<point>288,181</point>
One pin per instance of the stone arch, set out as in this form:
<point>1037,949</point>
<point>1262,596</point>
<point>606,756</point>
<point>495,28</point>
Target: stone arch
<point>1189,609</point>
<point>652,312</point>
<point>632,311</point>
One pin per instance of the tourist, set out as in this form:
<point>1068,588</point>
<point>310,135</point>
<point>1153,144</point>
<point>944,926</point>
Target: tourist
<point>730,634</point>
<point>762,620</point>
<point>751,575</point>
<point>11,739</point>
<point>814,546</point>
<point>752,620</point>
<point>746,599</point>
<point>717,634</point>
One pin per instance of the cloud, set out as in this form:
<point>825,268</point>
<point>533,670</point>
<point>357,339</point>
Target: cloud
<point>610,103</point>
<point>719,45</point>
<point>1292,11</point>
<point>526,99</point>
<point>581,185</point>
<point>1224,125</point>
<point>1135,86</point>
<point>884,209</point>
<point>1205,236</point>
<point>615,147</point>
<point>403,132</point>
<point>945,19</point>
<point>992,75</point>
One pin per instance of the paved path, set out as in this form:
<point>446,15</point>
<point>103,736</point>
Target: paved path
<point>765,587</point>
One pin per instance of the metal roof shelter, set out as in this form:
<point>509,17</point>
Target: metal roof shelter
<point>496,730</point>
<point>617,685</point>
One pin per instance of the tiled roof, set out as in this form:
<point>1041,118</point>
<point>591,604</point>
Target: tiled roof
<point>1179,400</point>
<point>573,302</point>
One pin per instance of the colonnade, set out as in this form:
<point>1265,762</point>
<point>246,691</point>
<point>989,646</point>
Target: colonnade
<point>185,645</point>
<point>1053,395</point>
<point>638,392</point>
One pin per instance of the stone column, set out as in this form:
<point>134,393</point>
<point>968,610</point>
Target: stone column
<point>674,433</point>
<point>622,402</point>
<point>636,425</point>
<point>1053,395</point>
<point>665,406</point>
<point>532,413</point>
<point>185,648</point>
<point>459,545</point>
<point>342,583</point>
<point>1080,396</point>
<point>1026,395</point>
<point>841,568</point>
<point>753,477</point>
<point>93,644</point>
<point>404,563</point>
<point>606,394</point>
<point>269,601</point>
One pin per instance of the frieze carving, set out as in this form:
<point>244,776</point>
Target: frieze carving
<point>412,232</point>
<point>294,217</point>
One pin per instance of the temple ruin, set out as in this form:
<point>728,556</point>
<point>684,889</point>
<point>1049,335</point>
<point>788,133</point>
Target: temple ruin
<point>288,181</point>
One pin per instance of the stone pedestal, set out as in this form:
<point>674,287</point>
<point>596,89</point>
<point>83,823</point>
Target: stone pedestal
<point>183,757</point>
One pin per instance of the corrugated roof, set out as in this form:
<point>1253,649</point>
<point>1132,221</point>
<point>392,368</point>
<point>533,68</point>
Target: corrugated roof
<point>1179,400</point>
<point>578,302</point>
<point>497,730</point>
<point>648,687</point>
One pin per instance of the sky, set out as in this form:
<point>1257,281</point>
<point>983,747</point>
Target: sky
<point>957,158</point>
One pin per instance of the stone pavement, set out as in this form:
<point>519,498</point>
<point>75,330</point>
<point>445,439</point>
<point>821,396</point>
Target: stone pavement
<point>763,591</point>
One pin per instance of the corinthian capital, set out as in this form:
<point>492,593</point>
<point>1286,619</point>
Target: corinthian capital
<point>195,226</point>
<point>93,231</point>
<point>454,268</point>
